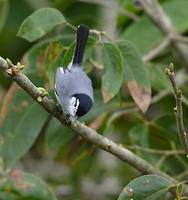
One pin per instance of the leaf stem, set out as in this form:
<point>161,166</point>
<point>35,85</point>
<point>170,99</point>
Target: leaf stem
<point>71,26</point>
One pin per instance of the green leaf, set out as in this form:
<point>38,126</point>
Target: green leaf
<point>87,54</point>
<point>68,55</point>
<point>166,128</point>
<point>4,7</point>
<point>40,23</point>
<point>148,187</point>
<point>23,185</point>
<point>145,35</point>
<point>113,71</point>
<point>21,120</point>
<point>57,135</point>
<point>42,60</point>
<point>135,74</point>
<point>7,196</point>
<point>139,135</point>
<point>159,79</point>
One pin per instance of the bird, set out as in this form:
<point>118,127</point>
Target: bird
<point>73,88</point>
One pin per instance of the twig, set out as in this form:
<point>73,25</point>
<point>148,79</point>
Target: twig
<point>128,14</point>
<point>70,26</point>
<point>182,175</point>
<point>87,133</point>
<point>156,151</point>
<point>153,53</point>
<point>178,109</point>
<point>100,34</point>
<point>157,15</point>
<point>120,112</point>
<point>95,64</point>
<point>122,10</point>
<point>180,38</point>
<point>92,31</point>
<point>161,161</point>
<point>164,153</point>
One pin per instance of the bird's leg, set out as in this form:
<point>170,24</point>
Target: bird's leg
<point>67,117</point>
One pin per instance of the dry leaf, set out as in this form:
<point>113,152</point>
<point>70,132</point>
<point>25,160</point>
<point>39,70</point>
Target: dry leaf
<point>141,96</point>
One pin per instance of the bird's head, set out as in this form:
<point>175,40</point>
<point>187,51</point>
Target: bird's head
<point>79,105</point>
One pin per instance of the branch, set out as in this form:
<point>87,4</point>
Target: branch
<point>153,53</point>
<point>157,15</point>
<point>122,11</point>
<point>178,109</point>
<point>156,151</point>
<point>85,132</point>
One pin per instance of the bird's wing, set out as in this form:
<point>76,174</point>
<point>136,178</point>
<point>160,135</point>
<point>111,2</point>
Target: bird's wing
<point>70,82</point>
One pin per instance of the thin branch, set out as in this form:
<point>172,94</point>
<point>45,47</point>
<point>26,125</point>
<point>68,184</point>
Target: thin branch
<point>100,34</point>
<point>95,64</point>
<point>178,109</point>
<point>157,15</point>
<point>153,53</point>
<point>123,111</point>
<point>87,133</point>
<point>182,175</point>
<point>128,14</point>
<point>161,161</point>
<point>71,26</point>
<point>122,10</point>
<point>156,151</point>
<point>180,38</point>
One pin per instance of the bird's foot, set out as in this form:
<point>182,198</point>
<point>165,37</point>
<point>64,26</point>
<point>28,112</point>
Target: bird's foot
<point>59,108</point>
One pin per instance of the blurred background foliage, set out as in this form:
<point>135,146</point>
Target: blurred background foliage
<point>38,144</point>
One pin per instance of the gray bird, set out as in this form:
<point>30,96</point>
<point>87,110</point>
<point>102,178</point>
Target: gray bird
<point>73,88</point>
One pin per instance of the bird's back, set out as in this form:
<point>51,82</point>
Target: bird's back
<point>72,81</point>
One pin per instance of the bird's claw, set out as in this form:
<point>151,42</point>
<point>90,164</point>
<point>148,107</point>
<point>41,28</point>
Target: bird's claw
<point>59,108</point>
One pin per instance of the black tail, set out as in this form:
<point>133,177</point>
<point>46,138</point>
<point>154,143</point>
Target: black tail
<point>82,36</point>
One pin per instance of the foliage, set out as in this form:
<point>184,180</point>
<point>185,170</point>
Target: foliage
<point>153,188</point>
<point>121,80</point>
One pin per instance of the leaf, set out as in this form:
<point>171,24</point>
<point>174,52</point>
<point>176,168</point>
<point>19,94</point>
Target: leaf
<point>148,187</point>
<point>4,7</point>
<point>68,55</point>
<point>139,135</point>
<point>135,74</point>
<point>23,185</point>
<point>43,58</point>
<point>57,135</point>
<point>158,78</point>
<point>21,120</point>
<point>113,71</point>
<point>40,23</point>
<point>145,35</point>
<point>166,127</point>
